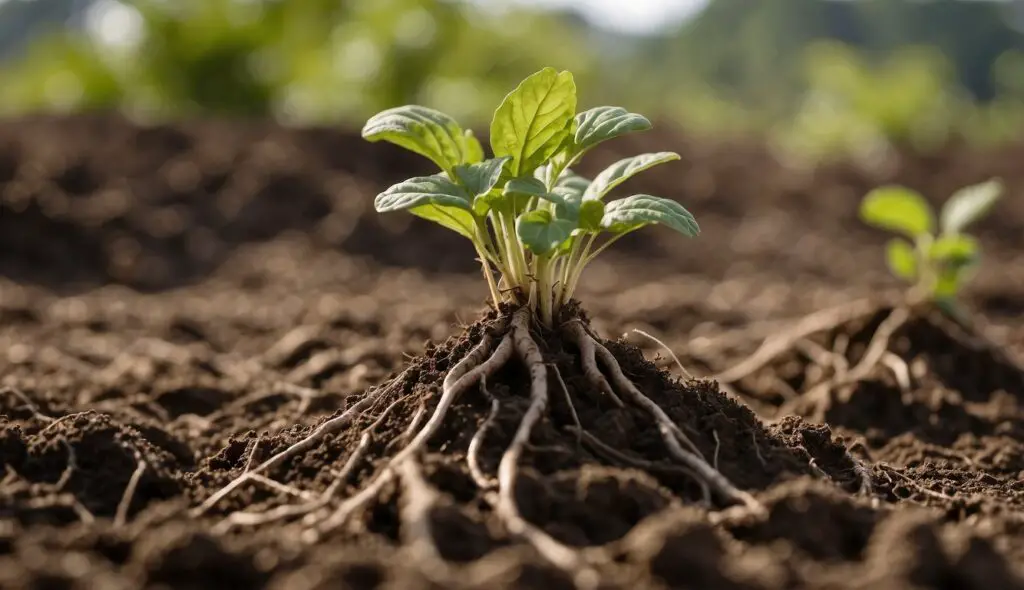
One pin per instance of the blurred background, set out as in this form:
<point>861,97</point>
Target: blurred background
<point>815,78</point>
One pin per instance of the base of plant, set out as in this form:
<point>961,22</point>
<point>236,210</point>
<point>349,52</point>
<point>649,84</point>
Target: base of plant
<point>512,341</point>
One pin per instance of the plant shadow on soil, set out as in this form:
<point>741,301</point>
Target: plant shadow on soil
<point>107,448</point>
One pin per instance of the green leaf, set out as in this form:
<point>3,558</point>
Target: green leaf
<point>947,284</point>
<point>427,132</point>
<point>969,204</point>
<point>623,170</point>
<point>898,209</point>
<point>480,178</point>
<point>449,216</point>
<point>474,152</point>
<point>603,123</point>
<point>541,232</point>
<point>591,213</point>
<point>955,250</point>
<point>482,204</point>
<point>422,190</point>
<point>573,185</point>
<point>532,187</point>
<point>902,259</point>
<point>534,119</point>
<point>639,210</point>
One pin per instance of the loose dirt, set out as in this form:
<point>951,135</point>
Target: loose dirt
<point>179,303</point>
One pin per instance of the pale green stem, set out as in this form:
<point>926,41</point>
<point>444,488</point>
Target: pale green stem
<point>490,279</point>
<point>574,268</point>
<point>543,288</point>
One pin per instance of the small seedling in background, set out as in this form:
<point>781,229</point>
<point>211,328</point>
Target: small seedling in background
<point>932,254</point>
<point>530,217</point>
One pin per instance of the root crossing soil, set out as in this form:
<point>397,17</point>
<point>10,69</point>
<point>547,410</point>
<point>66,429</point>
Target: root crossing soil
<point>181,304</point>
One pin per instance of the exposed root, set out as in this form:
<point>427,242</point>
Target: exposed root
<point>467,373</point>
<point>473,454</point>
<point>568,400</point>
<point>876,351</point>
<point>781,342</point>
<point>588,360</point>
<point>329,427</point>
<point>673,436</point>
<point>69,467</point>
<point>508,469</point>
<point>312,504</point>
<point>419,498</point>
<point>612,454</point>
<point>121,516</point>
<point>664,346</point>
<point>29,405</point>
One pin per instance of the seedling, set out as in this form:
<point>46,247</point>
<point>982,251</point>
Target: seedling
<point>532,220</point>
<point>936,264</point>
<point>535,224</point>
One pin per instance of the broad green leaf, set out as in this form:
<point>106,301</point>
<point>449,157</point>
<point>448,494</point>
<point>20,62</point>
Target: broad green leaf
<point>955,250</point>
<point>482,204</point>
<point>898,209</point>
<point>638,210</point>
<point>902,259</point>
<point>474,152</point>
<point>534,119</point>
<point>422,190</point>
<point>480,178</point>
<point>569,183</point>
<point>427,132</point>
<point>572,185</point>
<point>591,213</point>
<point>542,232</point>
<point>449,216</point>
<point>532,187</point>
<point>969,204</point>
<point>603,123</point>
<point>623,170</point>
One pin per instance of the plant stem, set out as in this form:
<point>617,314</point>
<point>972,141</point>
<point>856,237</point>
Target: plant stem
<point>495,296</point>
<point>544,291</point>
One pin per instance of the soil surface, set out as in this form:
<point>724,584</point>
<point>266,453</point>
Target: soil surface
<point>180,303</point>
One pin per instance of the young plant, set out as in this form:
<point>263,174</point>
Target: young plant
<point>937,264</point>
<point>532,220</point>
<point>535,224</point>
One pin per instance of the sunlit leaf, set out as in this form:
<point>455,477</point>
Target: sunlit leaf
<point>427,132</point>
<point>638,210</point>
<point>480,178</point>
<point>603,123</point>
<point>898,209</point>
<point>420,190</point>
<point>623,170</point>
<point>534,119</point>
<point>969,204</point>
<point>449,216</point>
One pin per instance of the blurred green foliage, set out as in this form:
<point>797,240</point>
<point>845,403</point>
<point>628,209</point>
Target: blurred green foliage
<point>821,77</point>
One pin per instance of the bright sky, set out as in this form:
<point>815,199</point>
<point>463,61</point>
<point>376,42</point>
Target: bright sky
<point>630,16</point>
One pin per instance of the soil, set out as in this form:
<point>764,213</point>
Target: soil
<point>178,303</point>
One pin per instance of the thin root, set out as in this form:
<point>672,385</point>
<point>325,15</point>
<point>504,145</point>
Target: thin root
<point>121,516</point>
<point>329,427</point>
<point>467,373</point>
<point>473,453</point>
<point>673,436</point>
<point>779,343</point>
<point>675,358</point>
<point>589,362</point>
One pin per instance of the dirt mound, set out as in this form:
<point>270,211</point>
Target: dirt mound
<point>198,297</point>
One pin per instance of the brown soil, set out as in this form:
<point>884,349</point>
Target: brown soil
<point>181,302</point>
